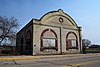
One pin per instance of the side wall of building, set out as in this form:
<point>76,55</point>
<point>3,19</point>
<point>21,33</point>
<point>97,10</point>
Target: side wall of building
<point>24,36</point>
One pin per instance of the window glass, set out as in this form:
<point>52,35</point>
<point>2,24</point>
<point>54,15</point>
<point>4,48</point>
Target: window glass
<point>73,43</point>
<point>69,44</point>
<point>48,42</point>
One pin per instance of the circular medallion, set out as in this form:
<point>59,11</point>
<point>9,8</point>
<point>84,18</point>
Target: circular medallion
<point>60,19</point>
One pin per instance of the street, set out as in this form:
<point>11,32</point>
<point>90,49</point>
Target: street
<point>69,61</point>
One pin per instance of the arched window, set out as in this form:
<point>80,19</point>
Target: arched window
<point>21,46</point>
<point>71,41</point>
<point>21,40</point>
<point>28,35</point>
<point>29,47</point>
<point>48,40</point>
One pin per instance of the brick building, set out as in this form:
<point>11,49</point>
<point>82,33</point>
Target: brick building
<point>54,33</point>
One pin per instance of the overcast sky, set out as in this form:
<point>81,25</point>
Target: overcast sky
<point>86,13</point>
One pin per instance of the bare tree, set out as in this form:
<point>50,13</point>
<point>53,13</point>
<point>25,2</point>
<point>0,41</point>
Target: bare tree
<point>86,42</point>
<point>8,29</point>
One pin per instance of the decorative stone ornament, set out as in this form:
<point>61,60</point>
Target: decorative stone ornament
<point>61,19</point>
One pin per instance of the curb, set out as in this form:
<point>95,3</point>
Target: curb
<point>26,58</point>
<point>48,56</point>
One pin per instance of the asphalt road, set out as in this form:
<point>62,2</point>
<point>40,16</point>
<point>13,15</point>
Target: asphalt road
<point>70,61</point>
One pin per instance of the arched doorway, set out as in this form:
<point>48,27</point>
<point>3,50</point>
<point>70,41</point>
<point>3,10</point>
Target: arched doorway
<point>28,47</point>
<point>71,41</point>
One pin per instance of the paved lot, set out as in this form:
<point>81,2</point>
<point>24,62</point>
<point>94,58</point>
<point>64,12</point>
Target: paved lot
<point>81,60</point>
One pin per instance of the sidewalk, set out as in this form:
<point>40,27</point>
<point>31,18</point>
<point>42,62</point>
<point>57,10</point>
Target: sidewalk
<point>24,57</point>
